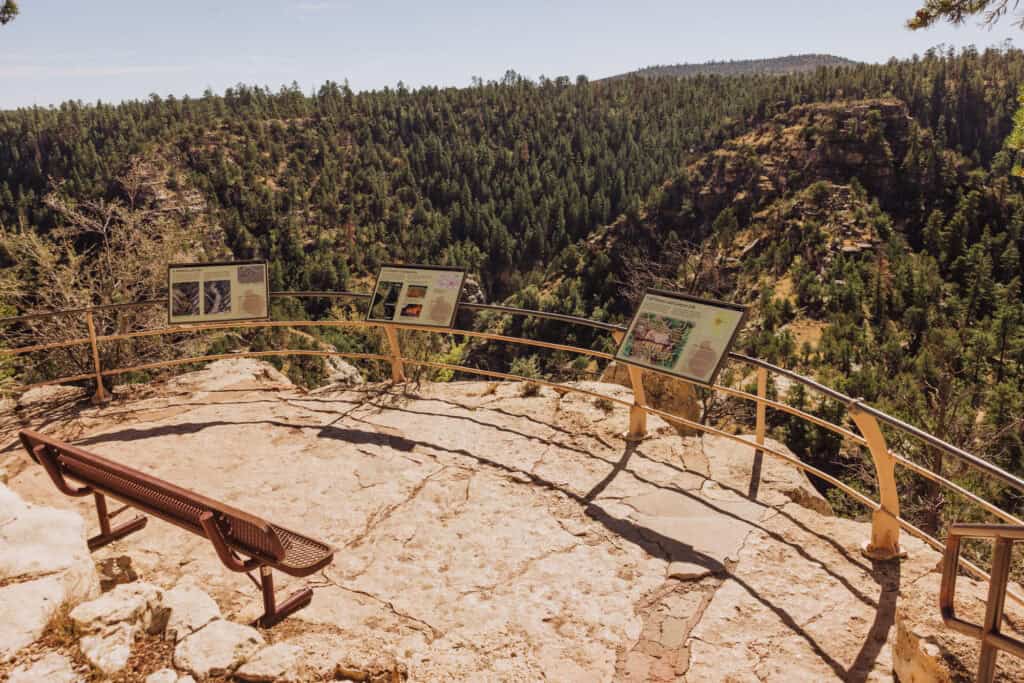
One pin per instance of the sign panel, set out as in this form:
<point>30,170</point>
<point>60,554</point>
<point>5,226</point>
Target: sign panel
<point>681,334</point>
<point>215,292</point>
<point>416,295</point>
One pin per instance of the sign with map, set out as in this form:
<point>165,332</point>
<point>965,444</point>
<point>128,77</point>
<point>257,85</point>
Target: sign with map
<point>217,292</point>
<point>681,335</point>
<point>416,295</point>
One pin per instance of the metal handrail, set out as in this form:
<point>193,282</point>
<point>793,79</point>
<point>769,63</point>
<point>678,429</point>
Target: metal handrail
<point>948,448</point>
<point>886,515</point>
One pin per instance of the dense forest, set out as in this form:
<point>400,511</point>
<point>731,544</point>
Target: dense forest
<point>867,213</point>
<point>790,64</point>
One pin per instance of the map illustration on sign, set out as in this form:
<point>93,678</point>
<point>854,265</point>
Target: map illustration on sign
<point>416,295</point>
<point>211,292</point>
<point>681,335</point>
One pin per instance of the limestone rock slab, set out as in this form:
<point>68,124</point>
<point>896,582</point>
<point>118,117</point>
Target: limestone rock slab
<point>162,676</point>
<point>280,660</point>
<point>110,649</point>
<point>218,648</point>
<point>137,604</point>
<point>37,542</point>
<point>190,608</point>
<point>168,676</point>
<point>25,609</point>
<point>52,668</point>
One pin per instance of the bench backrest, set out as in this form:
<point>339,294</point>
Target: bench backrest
<point>243,532</point>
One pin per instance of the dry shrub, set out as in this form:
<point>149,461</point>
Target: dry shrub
<point>103,251</point>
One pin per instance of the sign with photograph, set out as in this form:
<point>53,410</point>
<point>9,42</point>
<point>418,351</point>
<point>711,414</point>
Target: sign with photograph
<point>215,292</point>
<point>416,295</point>
<point>682,335</point>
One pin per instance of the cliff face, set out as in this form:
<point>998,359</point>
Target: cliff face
<point>835,166</point>
<point>830,141</point>
<point>484,534</point>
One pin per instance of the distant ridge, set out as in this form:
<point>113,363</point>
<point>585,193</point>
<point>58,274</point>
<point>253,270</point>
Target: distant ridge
<point>776,66</point>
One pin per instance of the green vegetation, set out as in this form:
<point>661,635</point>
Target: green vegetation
<point>775,66</point>
<point>8,11</point>
<point>959,11</point>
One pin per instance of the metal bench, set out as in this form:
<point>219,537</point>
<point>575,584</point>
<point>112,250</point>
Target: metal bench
<point>243,542</point>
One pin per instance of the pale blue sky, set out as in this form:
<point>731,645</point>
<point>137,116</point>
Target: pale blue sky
<point>122,49</point>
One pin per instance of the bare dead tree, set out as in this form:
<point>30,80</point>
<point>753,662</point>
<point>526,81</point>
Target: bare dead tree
<point>691,267</point>
<point>102,252</point>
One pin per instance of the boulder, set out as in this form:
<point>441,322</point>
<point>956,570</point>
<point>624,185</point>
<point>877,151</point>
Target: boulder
<point>52,668</point>
<point>190,609</point>
<point>162,676</point>
<point>278,661</point>
<point>39,541</point>
<point>39,397</point>
<point>109,649</point>
<point>340,372</point>
<point>217,649</point>
<point>472,293</point>
<point>137,604</point>
<point>382,670</point>
<point>45,563</point>
<point>111,622</point>
<point>25,610</point>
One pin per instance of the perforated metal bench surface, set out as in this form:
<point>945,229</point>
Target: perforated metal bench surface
<point>243,542</point>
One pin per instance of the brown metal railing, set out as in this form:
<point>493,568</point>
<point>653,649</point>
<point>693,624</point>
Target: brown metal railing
<point>886,520</point>
<point>990,631</point>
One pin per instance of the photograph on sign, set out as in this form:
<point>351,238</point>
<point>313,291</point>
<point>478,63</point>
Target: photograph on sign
<point>681,334</point>
<point>416,295</point>
<point>211,292</point>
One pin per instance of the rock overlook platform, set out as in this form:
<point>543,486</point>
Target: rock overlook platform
<point>481,534</point>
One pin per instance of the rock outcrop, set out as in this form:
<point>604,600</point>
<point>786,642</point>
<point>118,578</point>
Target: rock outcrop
<point>44,565</point>
<point>51,668</point>
<point>217,649</point>
<point>109,625</point>
<point>486,535</point>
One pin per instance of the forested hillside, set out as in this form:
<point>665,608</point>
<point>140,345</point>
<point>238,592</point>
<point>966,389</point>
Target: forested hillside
<point>866,211</point>
<point>790,64</point>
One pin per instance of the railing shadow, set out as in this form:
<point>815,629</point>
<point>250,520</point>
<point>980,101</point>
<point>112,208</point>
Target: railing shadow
<point>650,541</point>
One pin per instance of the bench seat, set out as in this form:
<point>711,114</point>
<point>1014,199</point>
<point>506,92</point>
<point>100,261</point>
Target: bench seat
<point>243,542</point>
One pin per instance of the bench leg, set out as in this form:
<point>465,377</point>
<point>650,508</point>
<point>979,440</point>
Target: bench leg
<point>110,534</point>
<point>272,612</point>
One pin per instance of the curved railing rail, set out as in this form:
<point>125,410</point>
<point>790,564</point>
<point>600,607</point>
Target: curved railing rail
<point>886,520</point>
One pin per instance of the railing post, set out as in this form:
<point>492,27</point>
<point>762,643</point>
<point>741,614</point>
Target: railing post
<point>885,529</point>
<point>760,426</point>
<point>762,393</point>
<point>637,414</point>
<point>395,351</point>
<point>101,394</point>
<point>994,607</point>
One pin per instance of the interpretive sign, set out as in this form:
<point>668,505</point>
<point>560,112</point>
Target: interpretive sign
<point>416,295</point>
<point>681,334</point>
<point>215,292</point>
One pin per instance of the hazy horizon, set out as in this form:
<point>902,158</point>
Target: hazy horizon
<point>114,50</point>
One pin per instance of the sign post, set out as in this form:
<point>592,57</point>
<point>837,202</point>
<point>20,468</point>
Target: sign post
<point>679,335</point>
<point>416,295</point>
<point>217,292</point>
<point>413,295</point>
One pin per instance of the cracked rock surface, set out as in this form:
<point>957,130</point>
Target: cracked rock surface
<point>484,535</point>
